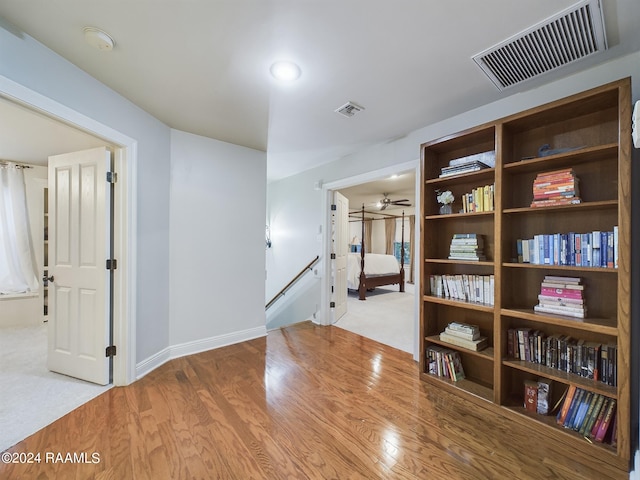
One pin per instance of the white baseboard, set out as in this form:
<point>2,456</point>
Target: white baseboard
<point>153,362</point>
<point>197,346</point>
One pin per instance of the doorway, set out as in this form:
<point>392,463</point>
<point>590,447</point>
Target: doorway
<point>33,107</point>
<point>353,189</point>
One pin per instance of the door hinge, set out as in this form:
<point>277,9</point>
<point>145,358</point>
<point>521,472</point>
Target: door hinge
<point>110,351</point>
<point>333,256</point>
<point>332,305</point>
<point>112,264</point>
<point>334,207</point>
<point>112,177</point>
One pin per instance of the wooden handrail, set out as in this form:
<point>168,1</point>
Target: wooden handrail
<point>295,279</point>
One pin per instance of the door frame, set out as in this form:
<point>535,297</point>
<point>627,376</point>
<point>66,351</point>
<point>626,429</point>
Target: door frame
<point>125,238</point>
<point>327,198</point>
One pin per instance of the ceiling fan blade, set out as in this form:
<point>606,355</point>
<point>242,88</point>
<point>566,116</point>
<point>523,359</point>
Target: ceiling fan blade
<point>400,201</point>
<point>403,204</point>
<point>384,206</point>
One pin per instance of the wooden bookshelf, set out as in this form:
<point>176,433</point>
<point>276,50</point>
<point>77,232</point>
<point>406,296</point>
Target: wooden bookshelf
<point>591,134</point>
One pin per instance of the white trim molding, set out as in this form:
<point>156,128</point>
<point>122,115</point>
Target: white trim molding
<point>197,346</point>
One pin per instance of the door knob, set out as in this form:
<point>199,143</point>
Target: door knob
<point>46,279</point>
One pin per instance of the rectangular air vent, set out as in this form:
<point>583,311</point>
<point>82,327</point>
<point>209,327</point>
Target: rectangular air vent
<point>571,35</point>
<point>349,109</point>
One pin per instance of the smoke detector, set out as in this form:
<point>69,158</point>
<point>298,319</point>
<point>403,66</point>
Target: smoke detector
<point>349,109</point>
<point>98,39</point>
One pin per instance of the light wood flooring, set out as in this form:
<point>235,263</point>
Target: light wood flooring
<point>306,402</point>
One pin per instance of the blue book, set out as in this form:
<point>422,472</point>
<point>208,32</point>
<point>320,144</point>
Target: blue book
<point>573,409</point>
<point>571,254</point>
<point>582,410</point>
<point>547,249</point>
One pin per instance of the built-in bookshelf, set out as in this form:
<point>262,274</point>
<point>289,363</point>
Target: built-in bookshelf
<point>588,135</point>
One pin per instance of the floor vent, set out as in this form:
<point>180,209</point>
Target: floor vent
<point>564,38</point>
<point>349,109</point>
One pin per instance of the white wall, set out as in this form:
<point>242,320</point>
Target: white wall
<point>28,63</point>
<point>217,262</point>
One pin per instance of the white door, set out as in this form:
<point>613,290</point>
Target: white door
<point>341,249</point>
<point>79,245</point>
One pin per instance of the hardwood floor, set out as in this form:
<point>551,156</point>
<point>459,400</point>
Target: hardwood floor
<point>305,402</point>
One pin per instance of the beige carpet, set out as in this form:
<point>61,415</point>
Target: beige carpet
<point>386,316</point>
<point>31,397</point>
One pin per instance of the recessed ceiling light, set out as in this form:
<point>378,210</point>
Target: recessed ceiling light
<point>98,39</point>
<point>285,71</point>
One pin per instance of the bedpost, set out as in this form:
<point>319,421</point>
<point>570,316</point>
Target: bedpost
<point>402,256</point>
<point>362,289</point>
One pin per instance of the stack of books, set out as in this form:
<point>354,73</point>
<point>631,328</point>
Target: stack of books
<point>559,187</point>
<point>471,163</point>
<point>591,414</point>
<point>562,296</point>
<point>466,246</point>
<point>465,336</point>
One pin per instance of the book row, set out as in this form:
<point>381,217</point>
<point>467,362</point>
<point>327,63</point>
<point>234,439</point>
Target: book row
<point>469,288</point>
<point>590,414</point>
<point>480,199</point>
<point>592,249</point>
<point>593,360</point>
<point>444,363</point>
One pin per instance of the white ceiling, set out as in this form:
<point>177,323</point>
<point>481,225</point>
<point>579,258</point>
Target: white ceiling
<point>397,187</point>
<point>202,65</point>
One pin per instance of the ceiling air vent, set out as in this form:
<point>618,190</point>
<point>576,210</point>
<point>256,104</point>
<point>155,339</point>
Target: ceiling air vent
<point>566,37</point>
<point>349,109</point>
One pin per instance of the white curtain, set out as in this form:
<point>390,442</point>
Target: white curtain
<point>18,272</point>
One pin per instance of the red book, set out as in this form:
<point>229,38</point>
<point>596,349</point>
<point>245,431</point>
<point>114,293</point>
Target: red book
<point>606,421</point>
<point>598,422</point>
<point>530,396</point>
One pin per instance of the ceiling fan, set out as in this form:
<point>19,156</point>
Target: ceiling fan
<point>386,201</point>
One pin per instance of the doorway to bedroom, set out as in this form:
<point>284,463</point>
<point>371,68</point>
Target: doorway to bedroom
<point>387,315</point>
<point>34,396</point>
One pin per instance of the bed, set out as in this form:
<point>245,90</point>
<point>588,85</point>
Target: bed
<point>370,270</point>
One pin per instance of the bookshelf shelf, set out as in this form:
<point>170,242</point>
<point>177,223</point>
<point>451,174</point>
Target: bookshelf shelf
<point>549,422</point>
<point>459,215</point>
<point>481,307</point>
<point>601,205</point>
<point>561,268</point>
<point>562,377</point>
<point>590,133</point>
<point>486,354</point>
<point>459,262</point>
<point>552,162</point>
<point>603,326</point>
<point>480,176</point>
<point>477,389</point>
